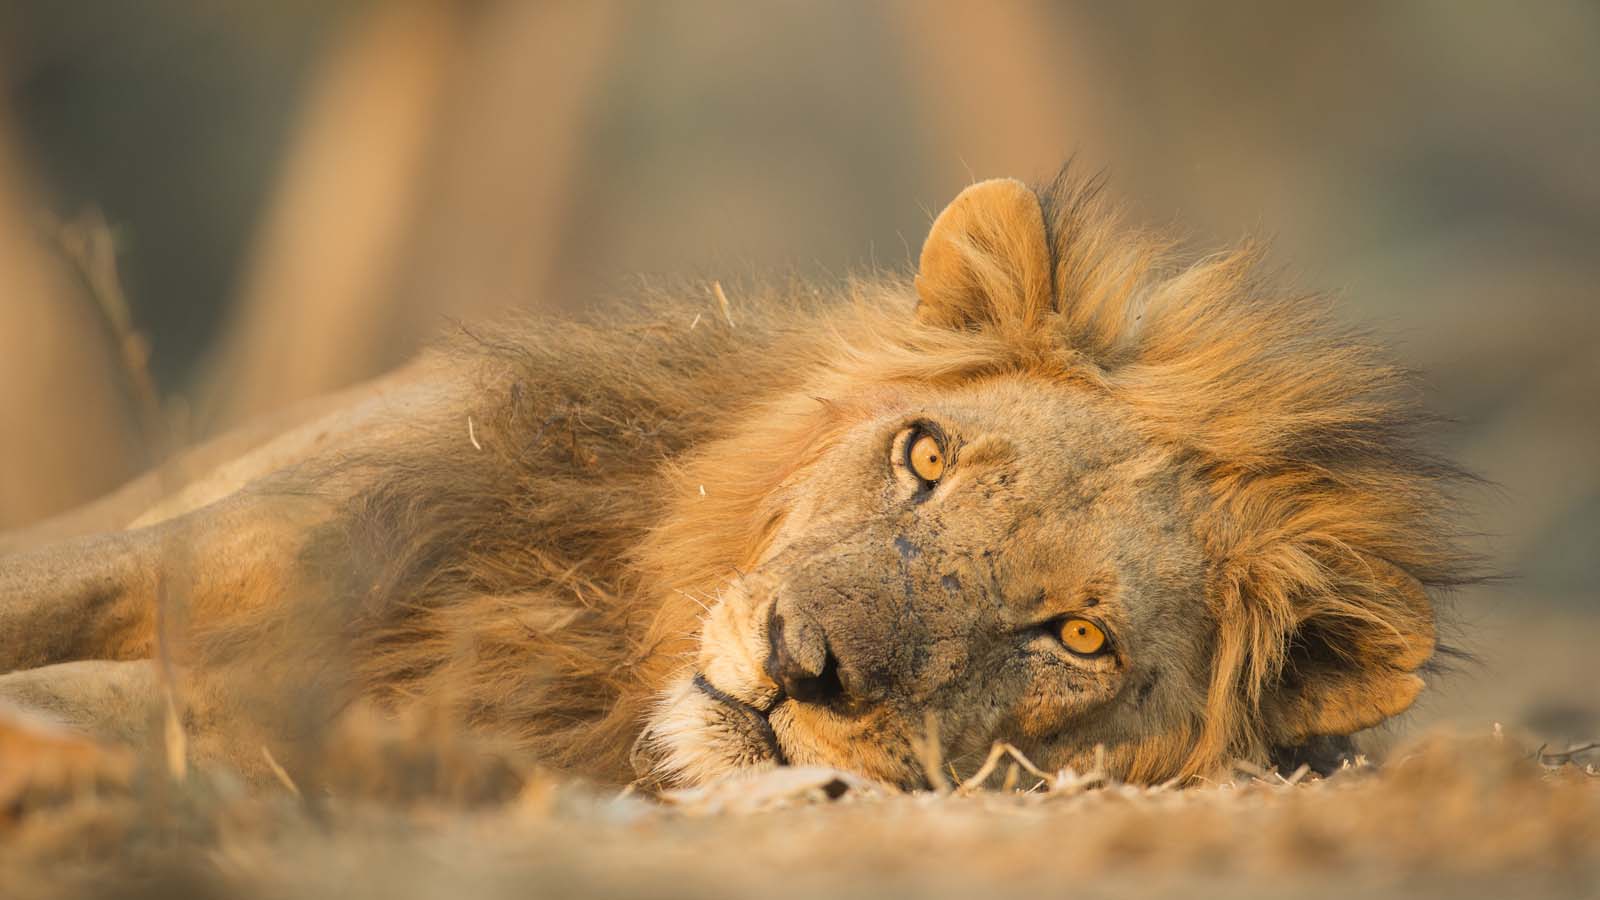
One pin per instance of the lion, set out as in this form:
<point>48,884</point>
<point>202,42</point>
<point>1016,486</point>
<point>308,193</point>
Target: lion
<point>1061,488</point>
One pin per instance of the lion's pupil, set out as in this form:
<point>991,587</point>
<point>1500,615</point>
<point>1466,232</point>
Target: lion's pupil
<point>926,458</point>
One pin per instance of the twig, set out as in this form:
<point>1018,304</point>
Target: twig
<point>1255,772</point>
<point>1565,756</point>
<point>278,772</point>
<point>996,753</point>
<point>177,743</point>
<point>722,301</point>
<point>90,250</point>
<point>1029,767</point>
<point>88,247</point>
<point>930,752</point>
<point>1296,775</point>
<point>1009,783</point>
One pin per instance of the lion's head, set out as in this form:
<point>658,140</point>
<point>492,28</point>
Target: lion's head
<point>1079,498</point>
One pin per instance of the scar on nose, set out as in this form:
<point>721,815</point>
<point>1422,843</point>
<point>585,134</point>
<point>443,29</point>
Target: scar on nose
<point>908,550</point>
<point>950,583</point>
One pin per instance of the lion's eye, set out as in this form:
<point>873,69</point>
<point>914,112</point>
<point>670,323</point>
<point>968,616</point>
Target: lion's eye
<point>1081,636</point>
<point>926,458</point>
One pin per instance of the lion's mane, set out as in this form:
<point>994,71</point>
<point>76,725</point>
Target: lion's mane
<point>539,567</point>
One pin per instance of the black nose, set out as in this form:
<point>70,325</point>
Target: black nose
<point>801,662</point>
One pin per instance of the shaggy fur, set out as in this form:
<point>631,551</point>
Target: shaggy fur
<point>539,567</point>
<point>545,585</point>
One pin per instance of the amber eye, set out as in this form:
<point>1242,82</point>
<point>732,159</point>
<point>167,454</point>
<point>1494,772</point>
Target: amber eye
<point>926,458</point>
<point>1081,636</point>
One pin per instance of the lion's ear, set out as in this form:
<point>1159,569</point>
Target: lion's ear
<point>1352,664</point>
<point>986,260</point>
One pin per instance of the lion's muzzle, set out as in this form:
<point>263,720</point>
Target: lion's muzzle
<point>755,719</point>
<point>845,643</point>
<point>799,659</point>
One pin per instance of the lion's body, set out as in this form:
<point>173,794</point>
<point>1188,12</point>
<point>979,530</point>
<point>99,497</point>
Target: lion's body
<point>534,530</point>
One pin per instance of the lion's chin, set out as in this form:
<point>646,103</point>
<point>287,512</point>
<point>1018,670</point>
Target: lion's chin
<point>700,733</point>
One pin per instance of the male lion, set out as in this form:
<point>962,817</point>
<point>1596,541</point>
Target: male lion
<point>1055,490</point>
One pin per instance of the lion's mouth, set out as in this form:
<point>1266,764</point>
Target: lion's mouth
<point>757,718</point>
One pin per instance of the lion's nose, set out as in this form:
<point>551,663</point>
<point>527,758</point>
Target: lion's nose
<point>800,660</point>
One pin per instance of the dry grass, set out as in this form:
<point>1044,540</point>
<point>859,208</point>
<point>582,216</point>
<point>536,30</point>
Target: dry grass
<point>1447,815</point>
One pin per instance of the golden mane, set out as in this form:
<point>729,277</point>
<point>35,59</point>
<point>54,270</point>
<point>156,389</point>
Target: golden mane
<point>542,575</point>
<point>1323,494</point>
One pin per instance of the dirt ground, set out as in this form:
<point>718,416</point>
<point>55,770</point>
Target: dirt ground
<point>1451,810</point>
<point>1457,816</point>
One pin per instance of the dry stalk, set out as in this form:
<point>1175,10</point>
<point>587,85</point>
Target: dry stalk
<point>89,249</point>
<point>1028,766</point>
<point>1563,757</point>
<point>91,252</point>
<point>1065,781</point>
<point>931,753</point>
<point>278,772</point>
<point>996,753</point>
<point>1009,783</point>
<point>1298,774</point>
<point>722,301</point>
<point>1255,772</point>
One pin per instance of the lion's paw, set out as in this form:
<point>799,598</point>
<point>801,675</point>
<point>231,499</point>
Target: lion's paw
<point>45,765</point>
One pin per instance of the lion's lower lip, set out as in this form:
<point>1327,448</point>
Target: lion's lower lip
<point>756,717</point>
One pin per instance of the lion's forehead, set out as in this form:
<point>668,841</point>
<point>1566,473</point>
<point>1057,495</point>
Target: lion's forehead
<point>1041,472</point>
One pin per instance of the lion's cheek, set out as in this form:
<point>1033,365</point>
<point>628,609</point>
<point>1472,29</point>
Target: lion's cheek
<point>820,739</point>
<point>1037,717</point>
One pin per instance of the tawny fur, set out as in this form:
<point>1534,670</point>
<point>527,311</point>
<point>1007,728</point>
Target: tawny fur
<point>539,568</point>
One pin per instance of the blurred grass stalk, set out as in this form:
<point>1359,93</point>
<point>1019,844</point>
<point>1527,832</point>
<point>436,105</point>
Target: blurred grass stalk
<point>419,186</point>
<point>72,431</point>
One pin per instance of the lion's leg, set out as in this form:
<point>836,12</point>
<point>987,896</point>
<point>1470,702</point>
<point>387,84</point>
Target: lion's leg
<point>97,597</point>
<point>45,763</point>
<point>224,464</point>
<point>57,602</point>
<point>227,541</point>
<point>111,701</point>
<point>121,707</point>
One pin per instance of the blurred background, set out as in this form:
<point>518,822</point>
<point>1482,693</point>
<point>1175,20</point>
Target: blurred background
<point>297,194</point>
